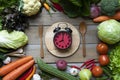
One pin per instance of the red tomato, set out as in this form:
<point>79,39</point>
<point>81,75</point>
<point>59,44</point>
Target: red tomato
<point>104,60</point>
<point>102,48</point>
<point>97,71</point>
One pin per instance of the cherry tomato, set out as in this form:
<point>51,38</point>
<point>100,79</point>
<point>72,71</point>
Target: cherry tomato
<point>102,48</point>
<point>104,60</point>
<point>97,71</point>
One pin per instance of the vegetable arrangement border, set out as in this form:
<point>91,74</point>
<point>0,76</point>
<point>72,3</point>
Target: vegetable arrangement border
<point>13,21</point>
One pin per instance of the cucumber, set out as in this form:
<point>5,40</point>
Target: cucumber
<point>54,71</point>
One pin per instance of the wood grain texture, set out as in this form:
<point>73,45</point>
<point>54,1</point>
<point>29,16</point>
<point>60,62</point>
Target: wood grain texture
<point>33,47</point>
<point>41,41</point>
<point>46,19</point>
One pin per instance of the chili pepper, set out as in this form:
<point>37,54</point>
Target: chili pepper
<point>26,74</point>
<point>58,7</point>
<point>32,73</point>
<point>90,66</point>
<point>73,66</point>
<point>87,62</point>
<point>91,62</point>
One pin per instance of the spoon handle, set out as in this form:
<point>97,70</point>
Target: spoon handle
<point>83,46</point>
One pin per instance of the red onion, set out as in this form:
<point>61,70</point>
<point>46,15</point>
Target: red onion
<point>94,11</point>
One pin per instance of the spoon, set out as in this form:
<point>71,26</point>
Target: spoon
<point>83,29</point>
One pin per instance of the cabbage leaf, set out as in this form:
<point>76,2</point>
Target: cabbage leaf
<point>109,31</point>
<point>12,40</point>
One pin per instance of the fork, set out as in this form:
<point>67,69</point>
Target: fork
<point>41,41</point>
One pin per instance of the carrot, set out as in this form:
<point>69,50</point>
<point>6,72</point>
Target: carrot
<point>104,18</point>
<point>101,18</point>
<point>13,75</point>
<point>116,16</point>
<point>13,65</point>
<point>46,6</point>
<point>26,74</point>
<point>30,76</point>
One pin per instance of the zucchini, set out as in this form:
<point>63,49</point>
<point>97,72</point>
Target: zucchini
<point>54,71</point>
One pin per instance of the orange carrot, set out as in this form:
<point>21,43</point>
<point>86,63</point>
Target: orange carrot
<point>30,76</point>
<point>116,16</point>
<point>46,6</point>
<point>104,18</point>
<point>13,75</point>
<point>101,18</point>
<point>13,65</point>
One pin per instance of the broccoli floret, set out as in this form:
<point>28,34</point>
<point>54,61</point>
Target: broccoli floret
<point>109,7</point>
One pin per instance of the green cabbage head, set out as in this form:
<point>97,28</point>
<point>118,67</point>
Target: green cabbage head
<point>12,40</point>
<point>109,31</point>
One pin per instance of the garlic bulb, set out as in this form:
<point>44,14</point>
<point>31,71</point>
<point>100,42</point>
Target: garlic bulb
<point>36,77</point>
<point>7,60</point>
<point>74,71</point>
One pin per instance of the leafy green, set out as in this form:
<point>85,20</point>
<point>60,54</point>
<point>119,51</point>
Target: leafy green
<point>70,9</point>
<point>12,19</point>
<point>85,10</point>
<point>115,62</point>
<point>7,3</point>
<point>109,31</point>
<point>13,40</point>
<point>4,50</point>
<point>74,8</point>
<point>76,2</point>
<point>116,77</point>
<point>109,7</point>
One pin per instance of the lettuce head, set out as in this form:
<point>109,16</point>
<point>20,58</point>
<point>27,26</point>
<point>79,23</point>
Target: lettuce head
<point>12,40</point>
<point>109,31</point>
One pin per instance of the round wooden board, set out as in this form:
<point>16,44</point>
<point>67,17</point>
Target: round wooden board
<point>50,45</point>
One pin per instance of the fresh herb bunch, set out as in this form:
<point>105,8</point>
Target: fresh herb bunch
<point>12,19</point>
<point>7,3</point>
<point>75,8</point>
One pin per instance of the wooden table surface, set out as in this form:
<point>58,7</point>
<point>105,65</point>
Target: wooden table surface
<point>33,47</point>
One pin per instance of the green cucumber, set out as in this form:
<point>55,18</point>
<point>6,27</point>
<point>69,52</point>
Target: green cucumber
<point>54,71</point>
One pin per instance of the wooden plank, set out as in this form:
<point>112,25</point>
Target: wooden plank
<point>45,19</point>
<point>33,47</point>
<point>33,34</point>
<point>91,53</point>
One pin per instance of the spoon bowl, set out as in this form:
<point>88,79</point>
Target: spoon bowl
<point>83,29</point>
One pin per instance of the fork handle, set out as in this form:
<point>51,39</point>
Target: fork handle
<point>83,46</point>
<point>41,49</point>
